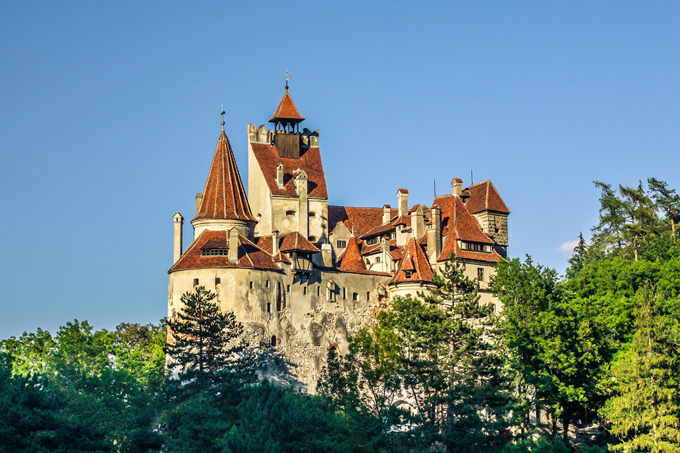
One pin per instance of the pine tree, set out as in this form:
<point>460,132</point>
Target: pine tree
<point>645,407</point>
<point>203,343</point>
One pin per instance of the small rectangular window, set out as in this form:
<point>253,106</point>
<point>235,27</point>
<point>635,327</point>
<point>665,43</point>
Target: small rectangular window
<point>355,296</point>
<point>266,284</point>
<point>318,290</point>
<point>341,244</point>
<point>195,282</point>
<point>290,212</point>
<point>480,274</point>
<point>344,293</point>
<point>368,295</point>
<point>269,307</point>
<point>251,285</point>
<point>288,288</point>
<point>304,290</point>
<point>217,281</point>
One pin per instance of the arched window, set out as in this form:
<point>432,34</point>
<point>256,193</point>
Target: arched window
<point>273,341</point>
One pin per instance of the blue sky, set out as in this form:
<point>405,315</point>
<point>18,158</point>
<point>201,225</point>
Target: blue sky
<point>110,116</point>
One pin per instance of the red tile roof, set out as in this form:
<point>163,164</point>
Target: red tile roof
<point>351,258</point>
<point>391,225</point>
<point>361,219</point>
<point>249,255</point>
<point>223,195</point>
<point>295,242</point>
<point>458,223</point>
<point>483,197</point>
<point>415,261</point>
<point>310,162</point>
<point>287,111</point>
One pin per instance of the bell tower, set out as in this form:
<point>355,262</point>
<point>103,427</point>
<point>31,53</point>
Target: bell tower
<point>287,138</point>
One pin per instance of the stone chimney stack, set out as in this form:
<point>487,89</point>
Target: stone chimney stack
<point>417,223</point>
<point>434,236</point>
<point>385,254</point>
<point>275,242</point>
<point>178,220</point>
<point>402,197</point>
<point>327,254</point>
<point>233,245</point>
<point>303,205</point>
<point>199,202</point>
<point>387,214</point>
<point>279,175</point>
<point>456,186</point>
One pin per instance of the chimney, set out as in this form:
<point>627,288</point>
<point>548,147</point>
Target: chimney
<point>417,223</point>
<point>387,214</point>
<point>233,245</point>
<point>178,220</point>
<point>199,202</point>
<point>434,237</point>
<point>456,186</point>
<point>402,197</point>
<point>327,254</point>
<point>303,205</point>
<point>275,242</point>
<point>279,175</point>
<point>385,254</point>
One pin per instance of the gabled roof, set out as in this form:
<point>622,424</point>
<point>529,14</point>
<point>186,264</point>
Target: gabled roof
<point>295,242</point>
<point>458,223</point>
<point>414,261</point>
<point>485,197</point>
<point>223,195</point>
<point>360,219</point>
<point>351,259</point>
<point>249,254</point>
<point>310,161</point>
<point>391,225</point>
<point>286,112</point>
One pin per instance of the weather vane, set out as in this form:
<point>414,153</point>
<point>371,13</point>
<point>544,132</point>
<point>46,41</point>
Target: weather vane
<point>287,79</point>
<point>222,117</point>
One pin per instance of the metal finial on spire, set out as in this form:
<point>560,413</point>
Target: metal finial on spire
<point>222,117</point>
<point>287,79</point>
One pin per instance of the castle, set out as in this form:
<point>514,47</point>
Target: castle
<point>303,275</point>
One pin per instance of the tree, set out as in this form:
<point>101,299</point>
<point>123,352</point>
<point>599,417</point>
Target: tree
<point>578,258</point>
<point>667,201</point>
<point>555,350</point>
<point>203,342</point>
<point>435,357</point>
<point>645,381</point>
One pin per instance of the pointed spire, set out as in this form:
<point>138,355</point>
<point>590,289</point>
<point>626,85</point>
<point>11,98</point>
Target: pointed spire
<point>223,195</point>
<point>286,112</point>
<point>351,258</point>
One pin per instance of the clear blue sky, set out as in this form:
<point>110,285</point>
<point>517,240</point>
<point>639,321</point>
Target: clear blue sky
<point>110,116</point>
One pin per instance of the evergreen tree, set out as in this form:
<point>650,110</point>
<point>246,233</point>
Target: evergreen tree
<point>203,342</point>
<point>645,381</point>
<point>578,257</point>
<point>667,201</point>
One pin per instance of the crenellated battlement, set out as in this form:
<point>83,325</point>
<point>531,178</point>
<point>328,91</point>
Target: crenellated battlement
<point>263,135</point>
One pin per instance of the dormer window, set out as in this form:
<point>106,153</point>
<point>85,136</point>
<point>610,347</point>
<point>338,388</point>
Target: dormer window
<point>475,247</point>
<point>372,240</point>
<point>408,273</point>
<point>214,252</point>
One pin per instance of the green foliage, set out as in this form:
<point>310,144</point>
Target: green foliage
<point>555,351</point>
<point>429,373</point>
<point>275,419</point>
<point>645,382</point>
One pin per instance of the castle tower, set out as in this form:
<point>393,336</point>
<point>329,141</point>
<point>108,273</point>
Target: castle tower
<point>286,182</point>
<point>223,204</point>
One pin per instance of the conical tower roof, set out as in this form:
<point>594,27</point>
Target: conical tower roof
<point>286,112</point>
<point>351,258</point>
<point>413,267</point>
<point>223,195</point>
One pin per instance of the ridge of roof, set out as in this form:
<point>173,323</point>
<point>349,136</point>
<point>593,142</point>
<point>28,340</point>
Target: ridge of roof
<point>287,110</point>
<point>485,197</point>
<point>223,195</point>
